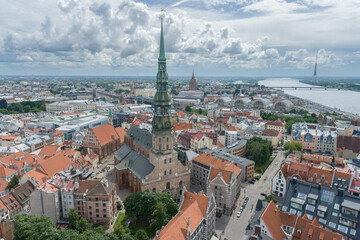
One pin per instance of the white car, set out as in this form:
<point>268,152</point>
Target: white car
<point>238,214</point>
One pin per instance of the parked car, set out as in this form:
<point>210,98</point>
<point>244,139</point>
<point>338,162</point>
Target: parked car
<point>238,214</point>
<point>263,194</point>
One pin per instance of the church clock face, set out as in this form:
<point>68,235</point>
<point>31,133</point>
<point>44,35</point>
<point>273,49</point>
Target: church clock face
<point>167,124</point>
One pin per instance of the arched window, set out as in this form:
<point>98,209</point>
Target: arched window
<point>154,190</point>
<point>180,183</point>
<point>168,185</point>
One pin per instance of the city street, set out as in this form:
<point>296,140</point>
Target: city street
<point>234,228</point>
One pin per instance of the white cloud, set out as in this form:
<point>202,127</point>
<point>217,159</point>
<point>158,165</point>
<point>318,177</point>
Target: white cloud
<point>125,34</point>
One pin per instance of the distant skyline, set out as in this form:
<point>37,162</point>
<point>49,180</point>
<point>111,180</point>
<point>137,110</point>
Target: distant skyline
<point>213,37</point>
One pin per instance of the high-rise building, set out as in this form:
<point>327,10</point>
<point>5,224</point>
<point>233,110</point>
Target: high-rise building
<point>147,161</point>
<point>192,83</point>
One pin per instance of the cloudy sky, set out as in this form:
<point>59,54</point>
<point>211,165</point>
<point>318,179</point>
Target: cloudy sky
<point>213,37</point>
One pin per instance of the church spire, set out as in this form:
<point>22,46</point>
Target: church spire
<point>162,121</point>
<point>162,47</point>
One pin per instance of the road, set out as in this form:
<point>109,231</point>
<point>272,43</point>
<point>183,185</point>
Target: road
<point>234,228</point>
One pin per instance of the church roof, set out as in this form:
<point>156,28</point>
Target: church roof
<point>133,161</point>
<point>140,136</point>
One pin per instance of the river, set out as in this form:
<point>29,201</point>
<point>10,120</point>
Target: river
<point>348,101</point>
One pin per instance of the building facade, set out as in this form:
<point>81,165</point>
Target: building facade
<point>95,200</point>
<point>103,140</point>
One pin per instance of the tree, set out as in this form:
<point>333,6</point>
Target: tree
<point>34,227</point>
<point>3,103</point>
<point>259,150</point>
<point>128,237</point>
<point>82,225</point>
<point>200,111</point>
<point>292,146</point>
<point>141,235</point>
<point>170,205</point>
<point>268,198</point>
<point>188,109</point>
<point>288,125</point>
<point>140,204</point>
<point>159,216</point>
<point>13,182</point>
<point>73,218</point>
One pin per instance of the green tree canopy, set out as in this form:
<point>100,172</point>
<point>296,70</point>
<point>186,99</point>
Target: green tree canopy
<point>292,146</point>
<point>34,227</point>
<point>259,150</point>
<point>159,216</point>
<point>13,182</point>
<point>188,109</point>
<point>141,235</point>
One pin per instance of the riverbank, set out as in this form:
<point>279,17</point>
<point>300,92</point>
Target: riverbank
<point>343,102</point>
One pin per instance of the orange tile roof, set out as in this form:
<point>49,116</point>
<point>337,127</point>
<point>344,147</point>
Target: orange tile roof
<point>49,150</point>
<point>219,144</point>
<point>273,219</point>
<point>320,172</point>
<point>6,172</point>
<point>218,165</point>
<point>37,176</point>
<point>55,164</point>
<point>105,133</point>
<point>3,208</point>
<point>306,229</point>
<point>48,187</point>
<point>58,133</point>
<point>10,202</point>
<point>8,137</point>
<point>10,159</point>
<point>181,114</point>
<point>121,132</point>
<point>3,185</point>
<point>343,174</point>
<point>226,175</point>
<point>178,126</point>
<point>193,209</point>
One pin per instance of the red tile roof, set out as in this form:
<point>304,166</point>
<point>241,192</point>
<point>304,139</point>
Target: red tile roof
<point>193,210</point>
<point>105,133</point>
<point>55,164</point>
<point>121,132</point>
<point>10,202</point>
<point>6,172</point>
<point>273,219</point>
<point>182,126</point>
<point>3,185</point>
<point>49,150</point>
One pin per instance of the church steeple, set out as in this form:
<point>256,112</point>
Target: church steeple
<point>162,47</point>
<point>162,124</point>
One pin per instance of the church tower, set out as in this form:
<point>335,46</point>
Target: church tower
<point>192,83</point>
<point>162,124</point>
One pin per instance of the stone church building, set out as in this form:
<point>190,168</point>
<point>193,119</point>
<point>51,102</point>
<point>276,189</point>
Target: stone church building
<point>147,161</point>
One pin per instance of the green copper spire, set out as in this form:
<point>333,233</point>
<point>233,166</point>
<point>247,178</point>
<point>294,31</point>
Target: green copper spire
<point>162,47</point>
<point>162,121</point>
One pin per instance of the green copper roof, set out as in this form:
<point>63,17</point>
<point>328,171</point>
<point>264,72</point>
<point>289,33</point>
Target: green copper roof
<point>162,47</point>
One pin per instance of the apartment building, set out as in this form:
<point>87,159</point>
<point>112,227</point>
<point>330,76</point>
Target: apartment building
<point>219,177</point>
<point>279,225</point>
<point>95,200</point>
<point>334,209</point>
<point>328,177</point>
<point>314,137</point>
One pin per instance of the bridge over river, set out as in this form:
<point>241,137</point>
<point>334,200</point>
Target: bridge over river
<point>305,88</point>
